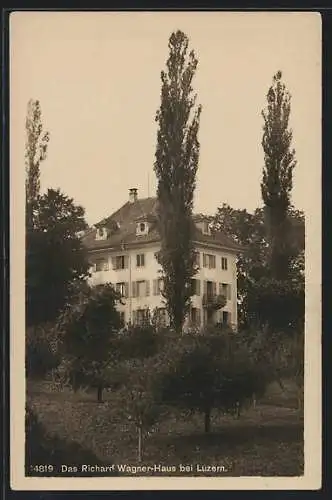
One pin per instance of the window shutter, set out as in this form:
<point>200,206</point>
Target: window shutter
<point>155,287</point>
<point>204,259</point>
<point>134,289</point>
<point>220,289</point>
<point>126,260</point>
<point>214,287</point>
<point>147,289</point>
<point>198,312</point>
<point>114,263</point>
<point>126,289</point>
<point>106,265</point>
<point>229,292</point>
<point>198,287</point>
<point>134,317</point>
<point>205,287</point>
<point>229,318</point>
<point>143,260</point>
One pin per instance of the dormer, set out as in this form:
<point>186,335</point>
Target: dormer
<point>102,233</point>
<point>144,223</point>
<point>142,227</point>
<point>203,223</point>
<point>206,229</point>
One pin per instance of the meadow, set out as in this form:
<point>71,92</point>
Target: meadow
<point>266,440</point>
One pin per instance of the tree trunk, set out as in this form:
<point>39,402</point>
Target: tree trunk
<point>140,444</point>
<point>207,420</point>
<point>100,393</point>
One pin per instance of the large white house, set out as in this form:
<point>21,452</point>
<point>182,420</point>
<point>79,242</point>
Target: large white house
<point>123,250</point>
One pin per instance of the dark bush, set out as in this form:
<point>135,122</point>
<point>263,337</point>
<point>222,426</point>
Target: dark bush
<point>42,354</point>
<point>42,448</point>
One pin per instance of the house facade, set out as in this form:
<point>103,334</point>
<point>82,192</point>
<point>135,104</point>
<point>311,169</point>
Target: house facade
<point>123,250</point>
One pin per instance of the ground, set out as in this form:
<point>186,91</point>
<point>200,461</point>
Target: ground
<point>265,441</point>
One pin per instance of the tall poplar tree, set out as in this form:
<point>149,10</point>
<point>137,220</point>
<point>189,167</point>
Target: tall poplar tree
<point>277,181</point>
<point>176,163</point>
<point>35,153</point>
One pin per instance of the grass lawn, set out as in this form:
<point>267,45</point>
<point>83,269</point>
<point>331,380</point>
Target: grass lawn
<point>264,441</point>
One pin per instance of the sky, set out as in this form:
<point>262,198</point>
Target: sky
<point>97,77</point>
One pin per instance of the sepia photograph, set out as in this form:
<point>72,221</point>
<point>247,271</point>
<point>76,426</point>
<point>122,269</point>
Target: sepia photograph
<point>165,182</point>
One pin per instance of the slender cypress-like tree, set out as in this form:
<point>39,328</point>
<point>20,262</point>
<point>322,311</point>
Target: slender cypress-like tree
<point>277,181</point>
<point>176,163</point>
<point>35,152</point>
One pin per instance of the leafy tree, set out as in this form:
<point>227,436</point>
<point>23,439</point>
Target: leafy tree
<point>42,354</point>
<point>249,230</point>
<point>214,370</point>
<point>277,178</point>
<point>140,342</point>
<point>89,330</point>
<point>56,261</point>
<point>175,166</point>
<point>35,152</point>
<point>139,397</point>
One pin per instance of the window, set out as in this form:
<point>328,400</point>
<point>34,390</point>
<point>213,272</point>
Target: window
<point>209,261</point>
<point>101,233</point>
<point>225,318</point>
<point>157,286</point>
<point>141,288</point>
<point>206,228</point>
<point>140,260</point>
<point>157,257</point>
<point>142,228</point>
<point>195,287</point>
<point>224,263</point>
<point>140,316</point>
<point>161,316</point>
<point>225,289</point>
<point>102,265</point>
<point>122,288</point>
<point>195,316</point>
<point>197,260</point>
<point>210,288</point>
<point>120,262</point>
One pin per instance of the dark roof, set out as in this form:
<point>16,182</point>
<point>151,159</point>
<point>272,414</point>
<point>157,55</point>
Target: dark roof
<point>143,209</point>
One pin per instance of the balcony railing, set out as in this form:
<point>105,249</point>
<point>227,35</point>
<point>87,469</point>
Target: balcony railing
<point>214,301</point>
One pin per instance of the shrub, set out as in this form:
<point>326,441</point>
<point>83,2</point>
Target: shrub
<point>214,369</point>
<point>42,353</point>
<point>89,328</point>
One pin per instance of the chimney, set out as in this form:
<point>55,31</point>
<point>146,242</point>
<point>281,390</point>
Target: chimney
<point>132,195</point>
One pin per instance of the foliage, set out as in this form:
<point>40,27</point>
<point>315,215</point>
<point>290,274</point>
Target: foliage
<point>56,261</point>
<point>216,369</point>
<point>279,304</point>
<point>277,181</point>
<point>139,396</point>
<point>42,354</point>
<point>175,166</point>
<point>89,328</point>
<point>35,152</point>
<point>139,342</point>
<point>249,230</point>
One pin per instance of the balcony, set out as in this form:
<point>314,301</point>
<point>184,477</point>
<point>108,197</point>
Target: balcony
<point>213,302</point>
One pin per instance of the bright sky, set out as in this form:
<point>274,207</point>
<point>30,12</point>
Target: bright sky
<point>97,76</point>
